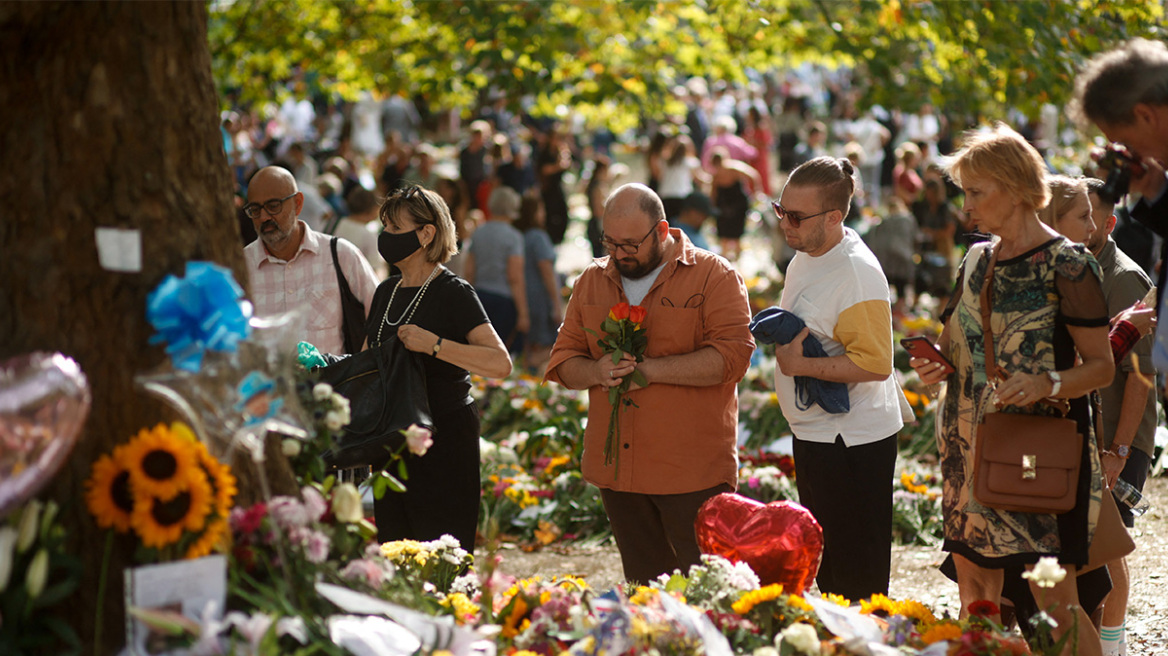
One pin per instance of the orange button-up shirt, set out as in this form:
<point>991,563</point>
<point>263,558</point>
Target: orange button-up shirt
<point>677,438</point>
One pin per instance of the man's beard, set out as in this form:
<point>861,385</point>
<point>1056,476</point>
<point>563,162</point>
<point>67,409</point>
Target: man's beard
<point>634,270</point>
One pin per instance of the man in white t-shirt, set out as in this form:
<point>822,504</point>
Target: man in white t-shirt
<point>844,461</point>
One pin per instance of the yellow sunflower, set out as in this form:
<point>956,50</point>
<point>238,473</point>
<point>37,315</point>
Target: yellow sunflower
<point>108,493</point>
<point>878,603</point>
<point>917,611</point>
<point>209,540</point>
<point>160,462</point>
<point>161,522</point>
<point>755,597</point>
<point>222,480</point>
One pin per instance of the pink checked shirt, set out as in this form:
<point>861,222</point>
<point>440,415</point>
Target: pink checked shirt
<point>309,281</point>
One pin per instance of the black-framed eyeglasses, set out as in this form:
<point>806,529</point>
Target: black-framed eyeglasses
<point>272,207</point>
<point>629,249</point>
<point>786,215</point>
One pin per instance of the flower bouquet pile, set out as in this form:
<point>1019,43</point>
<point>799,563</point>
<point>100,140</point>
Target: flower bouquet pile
<point>622,334</point>
<point>165,487</point>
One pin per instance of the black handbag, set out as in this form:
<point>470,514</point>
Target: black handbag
<point>352,309</point>
<point>386,388</point>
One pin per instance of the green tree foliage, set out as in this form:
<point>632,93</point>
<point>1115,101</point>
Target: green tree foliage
<point>606,57</point>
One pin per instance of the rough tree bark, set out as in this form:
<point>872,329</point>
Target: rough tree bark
<point>110,119</point>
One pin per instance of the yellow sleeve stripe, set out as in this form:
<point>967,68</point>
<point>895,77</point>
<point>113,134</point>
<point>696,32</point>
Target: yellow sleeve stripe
<point>865,330</point>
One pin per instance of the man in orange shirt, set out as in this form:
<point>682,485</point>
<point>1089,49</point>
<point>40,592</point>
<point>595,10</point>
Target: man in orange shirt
<point>678,444</point>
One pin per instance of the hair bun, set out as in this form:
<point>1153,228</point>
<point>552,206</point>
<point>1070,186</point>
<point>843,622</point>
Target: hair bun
<point>846,165</point>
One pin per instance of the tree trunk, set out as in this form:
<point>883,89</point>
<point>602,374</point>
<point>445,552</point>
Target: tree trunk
<point>110,120</point>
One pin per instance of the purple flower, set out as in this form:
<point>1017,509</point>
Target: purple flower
<point>316,547</point>
<point>314,503</point>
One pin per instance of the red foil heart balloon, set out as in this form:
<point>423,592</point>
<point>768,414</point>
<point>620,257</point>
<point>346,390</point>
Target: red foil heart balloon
<point>780,540</point>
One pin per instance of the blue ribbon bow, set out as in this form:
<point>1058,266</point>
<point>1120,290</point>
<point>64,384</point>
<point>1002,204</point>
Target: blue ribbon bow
<point>199,312</point>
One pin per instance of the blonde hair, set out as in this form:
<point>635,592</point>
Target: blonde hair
<point>1002,155</point>
<point>1064,191</point>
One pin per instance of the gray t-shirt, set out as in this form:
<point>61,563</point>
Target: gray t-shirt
<point>635,290</point>
<point>492,245</point>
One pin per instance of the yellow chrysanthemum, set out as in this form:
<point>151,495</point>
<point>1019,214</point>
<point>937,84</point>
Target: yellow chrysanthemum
<point>755,597</point>
<point>914,609</point>
<point>939,632</point>
<point>395,550</point>
<point>210,539</point>
<point>876,604</point>
<point>569,582</point>
<point>643,595</point>
<point>108,494</point>
<point>160,461</point>
<point>465,610</point>
<point>160,523</point>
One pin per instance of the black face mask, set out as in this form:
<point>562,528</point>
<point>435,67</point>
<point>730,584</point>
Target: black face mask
<point>395,248</point>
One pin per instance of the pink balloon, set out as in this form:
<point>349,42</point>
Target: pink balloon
<point>780,540</point>
<point>44,400</point>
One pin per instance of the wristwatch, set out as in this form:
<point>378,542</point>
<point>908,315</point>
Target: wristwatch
<point>437,347</point>
<point>1122,450</point>
<point>1056,381</point>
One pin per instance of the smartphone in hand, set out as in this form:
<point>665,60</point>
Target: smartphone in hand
<point>921,347</point>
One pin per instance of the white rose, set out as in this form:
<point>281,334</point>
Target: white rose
<point>802,638</point>
<point>7,542</point>
<point>347,506</point>
<point>322,391</point>
<point>419,439</point>
<point>290,447</point>
<point>334,421</point>
<point>765,651</point>
<point>1046,573</point>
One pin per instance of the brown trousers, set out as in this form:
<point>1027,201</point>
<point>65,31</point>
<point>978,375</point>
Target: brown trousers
<point>655,532</point>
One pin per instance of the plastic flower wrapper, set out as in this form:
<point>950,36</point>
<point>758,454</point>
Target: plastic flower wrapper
<point>199,312</point>
<point>622,334</point>
<point>235,399</point>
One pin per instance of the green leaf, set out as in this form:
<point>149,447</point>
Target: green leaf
<point>639,378</point>
<point>616,356</point>
<point>401,470</point>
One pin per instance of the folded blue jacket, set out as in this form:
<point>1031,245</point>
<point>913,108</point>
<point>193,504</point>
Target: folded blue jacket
<point>778,326</point>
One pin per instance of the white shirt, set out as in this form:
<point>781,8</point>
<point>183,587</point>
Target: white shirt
<point>817,290</point>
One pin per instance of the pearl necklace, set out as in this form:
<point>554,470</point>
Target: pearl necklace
<point>408,313</point>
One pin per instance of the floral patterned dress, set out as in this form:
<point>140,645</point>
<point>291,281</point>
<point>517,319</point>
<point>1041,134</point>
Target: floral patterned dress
<point>1036,296</point>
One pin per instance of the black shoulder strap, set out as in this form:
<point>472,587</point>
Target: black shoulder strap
<point>352,309</point>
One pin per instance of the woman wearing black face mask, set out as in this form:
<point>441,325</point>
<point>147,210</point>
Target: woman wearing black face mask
<point>437,314</point>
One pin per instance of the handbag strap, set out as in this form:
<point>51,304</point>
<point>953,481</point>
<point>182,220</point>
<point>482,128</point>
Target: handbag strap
<point>994,373</point>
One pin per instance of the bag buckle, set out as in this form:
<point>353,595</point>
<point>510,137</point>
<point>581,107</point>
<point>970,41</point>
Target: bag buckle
<point>1029,467</point>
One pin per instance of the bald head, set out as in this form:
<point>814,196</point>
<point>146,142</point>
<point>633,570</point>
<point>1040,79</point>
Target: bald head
<point>634,200</point>
<point>274,178</point>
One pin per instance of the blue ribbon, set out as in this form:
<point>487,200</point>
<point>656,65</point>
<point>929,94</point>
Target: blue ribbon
<point>198,312</point>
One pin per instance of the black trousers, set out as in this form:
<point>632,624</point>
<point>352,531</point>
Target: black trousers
<point>442,491</point>
<point>849,491</point>
<point>655,532</point>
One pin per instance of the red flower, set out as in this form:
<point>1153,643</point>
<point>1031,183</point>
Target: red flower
<point>984,608</point>
<point>637,314</point>
<point>250,521</point>
<point>619,311</point>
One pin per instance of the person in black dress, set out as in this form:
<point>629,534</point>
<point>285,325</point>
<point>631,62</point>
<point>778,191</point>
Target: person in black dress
<point>437,315</point>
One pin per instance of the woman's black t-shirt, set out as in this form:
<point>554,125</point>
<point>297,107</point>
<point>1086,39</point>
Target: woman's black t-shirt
<point>450,309</point>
